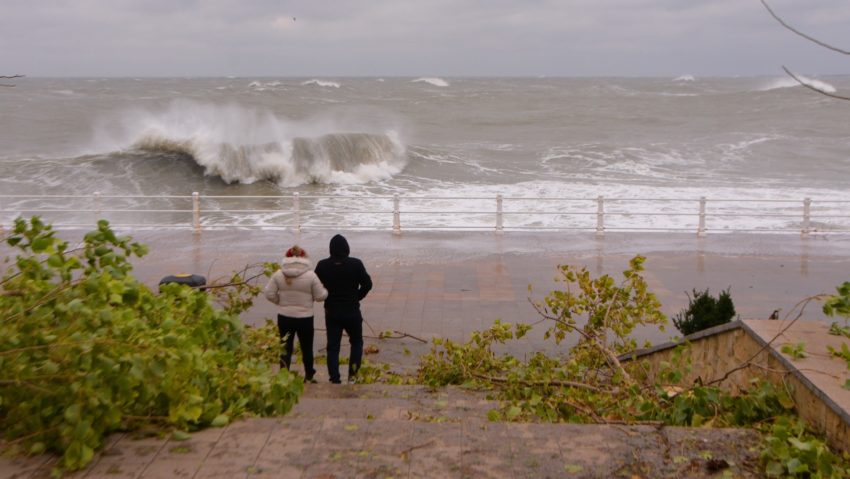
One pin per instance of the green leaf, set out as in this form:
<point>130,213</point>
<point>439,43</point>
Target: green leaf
<point>72,413</point>
<point>800,445</point>
<point>220,421</point>
<point>40,245</point>
<point>178,435</point>
<point>55,261</point>
<point>513,412</point>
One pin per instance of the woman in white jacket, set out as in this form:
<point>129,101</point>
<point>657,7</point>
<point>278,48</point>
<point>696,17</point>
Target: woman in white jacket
<point>294,288</point>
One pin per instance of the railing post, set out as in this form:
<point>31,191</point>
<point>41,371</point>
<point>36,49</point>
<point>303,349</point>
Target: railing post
<point>97,206</point>
<point>600,216</point>
<point>196,211</point>
<point>296,208</point>
<point>807,217</point>
<point>396,215</point>
<point>701,227</point>
<point>499,219</point>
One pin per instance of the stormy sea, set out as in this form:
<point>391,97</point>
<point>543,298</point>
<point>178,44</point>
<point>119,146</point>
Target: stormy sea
<point>742,143</point>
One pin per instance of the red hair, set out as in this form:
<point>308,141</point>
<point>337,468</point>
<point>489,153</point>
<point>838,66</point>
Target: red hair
<point>296,251</point>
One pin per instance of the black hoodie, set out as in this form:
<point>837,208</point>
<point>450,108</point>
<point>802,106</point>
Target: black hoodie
<point>344,277</point>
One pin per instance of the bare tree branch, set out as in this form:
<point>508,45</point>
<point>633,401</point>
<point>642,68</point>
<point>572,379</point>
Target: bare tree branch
<point>798,32</point>
<point>813,40</point>
<point>814,88</point>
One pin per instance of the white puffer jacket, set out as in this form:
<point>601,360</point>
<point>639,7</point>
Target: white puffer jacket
<point>295,299</point>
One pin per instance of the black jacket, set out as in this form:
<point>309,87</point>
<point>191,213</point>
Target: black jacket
<point>344,277</point>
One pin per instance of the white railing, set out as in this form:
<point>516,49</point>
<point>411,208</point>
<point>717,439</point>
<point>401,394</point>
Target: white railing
<point>499,213</point>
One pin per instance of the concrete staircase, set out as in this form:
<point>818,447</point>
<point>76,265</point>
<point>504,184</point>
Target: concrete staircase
<point>377,431</point>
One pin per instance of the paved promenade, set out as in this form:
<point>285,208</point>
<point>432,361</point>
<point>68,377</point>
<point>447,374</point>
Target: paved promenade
<point>450,283</point>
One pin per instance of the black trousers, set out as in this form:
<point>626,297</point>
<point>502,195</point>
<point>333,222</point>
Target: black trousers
<point>352,324</point>
<point>303,328</point>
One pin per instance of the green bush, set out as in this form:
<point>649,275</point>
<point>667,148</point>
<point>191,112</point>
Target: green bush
<point>86,349</point>
<point>704,311</point>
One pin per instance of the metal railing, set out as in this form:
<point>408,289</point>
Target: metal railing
<point>469,213</point>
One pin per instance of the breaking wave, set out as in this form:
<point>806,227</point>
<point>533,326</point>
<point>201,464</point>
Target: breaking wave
<point>790,82</point>
<point>431,81</point>
<point>329,84</point>
<point>684,78</point>
<point>244,146</point>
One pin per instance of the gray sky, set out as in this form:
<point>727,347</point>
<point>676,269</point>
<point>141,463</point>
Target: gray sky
<point>418,37</point>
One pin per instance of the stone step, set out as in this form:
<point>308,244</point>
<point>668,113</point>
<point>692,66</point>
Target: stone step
<point>374,431</point>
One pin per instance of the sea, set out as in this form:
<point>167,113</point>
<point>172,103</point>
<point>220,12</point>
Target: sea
<point>754,147</point>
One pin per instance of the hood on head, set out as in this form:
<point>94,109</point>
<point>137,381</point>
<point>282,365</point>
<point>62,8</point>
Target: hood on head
<point>339,246</point>
<point>295,266</point>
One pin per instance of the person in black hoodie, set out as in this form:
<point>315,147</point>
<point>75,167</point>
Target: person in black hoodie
<point>347,283</point>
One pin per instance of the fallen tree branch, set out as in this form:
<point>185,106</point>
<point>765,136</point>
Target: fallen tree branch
<point>569,384</point>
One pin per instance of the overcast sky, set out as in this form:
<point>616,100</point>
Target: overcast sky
<point>333,38</point>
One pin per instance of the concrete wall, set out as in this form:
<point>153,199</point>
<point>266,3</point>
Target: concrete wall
<point>715,351</point>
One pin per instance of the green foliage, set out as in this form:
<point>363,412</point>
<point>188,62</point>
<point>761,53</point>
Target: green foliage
<point>453,363</point>
<point>843,353</point>
<point>86,349</point>
<point>839,304</point>
<point>609,311</point>
<point>836,329</point>
<point>381,373</point>
<point>796,351</point>
<point>588,384</point>
<point>704,311</point>
<point>792,451</point>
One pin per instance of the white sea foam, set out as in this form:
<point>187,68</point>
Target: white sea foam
<point>263,86</point>
<point>323,83</point>
<point>786,82</point>
<point>244,145</point>
<point>525,209</point>
<point>684,78</point>
<point>431,81</point>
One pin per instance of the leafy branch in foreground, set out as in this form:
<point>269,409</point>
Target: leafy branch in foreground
<point>86,349</point>
<point>588,383</point>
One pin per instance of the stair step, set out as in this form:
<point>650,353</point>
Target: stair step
<point>379,431</point>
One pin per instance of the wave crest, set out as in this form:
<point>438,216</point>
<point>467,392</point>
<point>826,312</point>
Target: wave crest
<point>790,82</point>
<point>431,81</point>
<point>245,146</point>
<point>328,84</point>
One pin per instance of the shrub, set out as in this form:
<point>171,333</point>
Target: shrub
<point>86,349</point>
<point>704,311</point>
